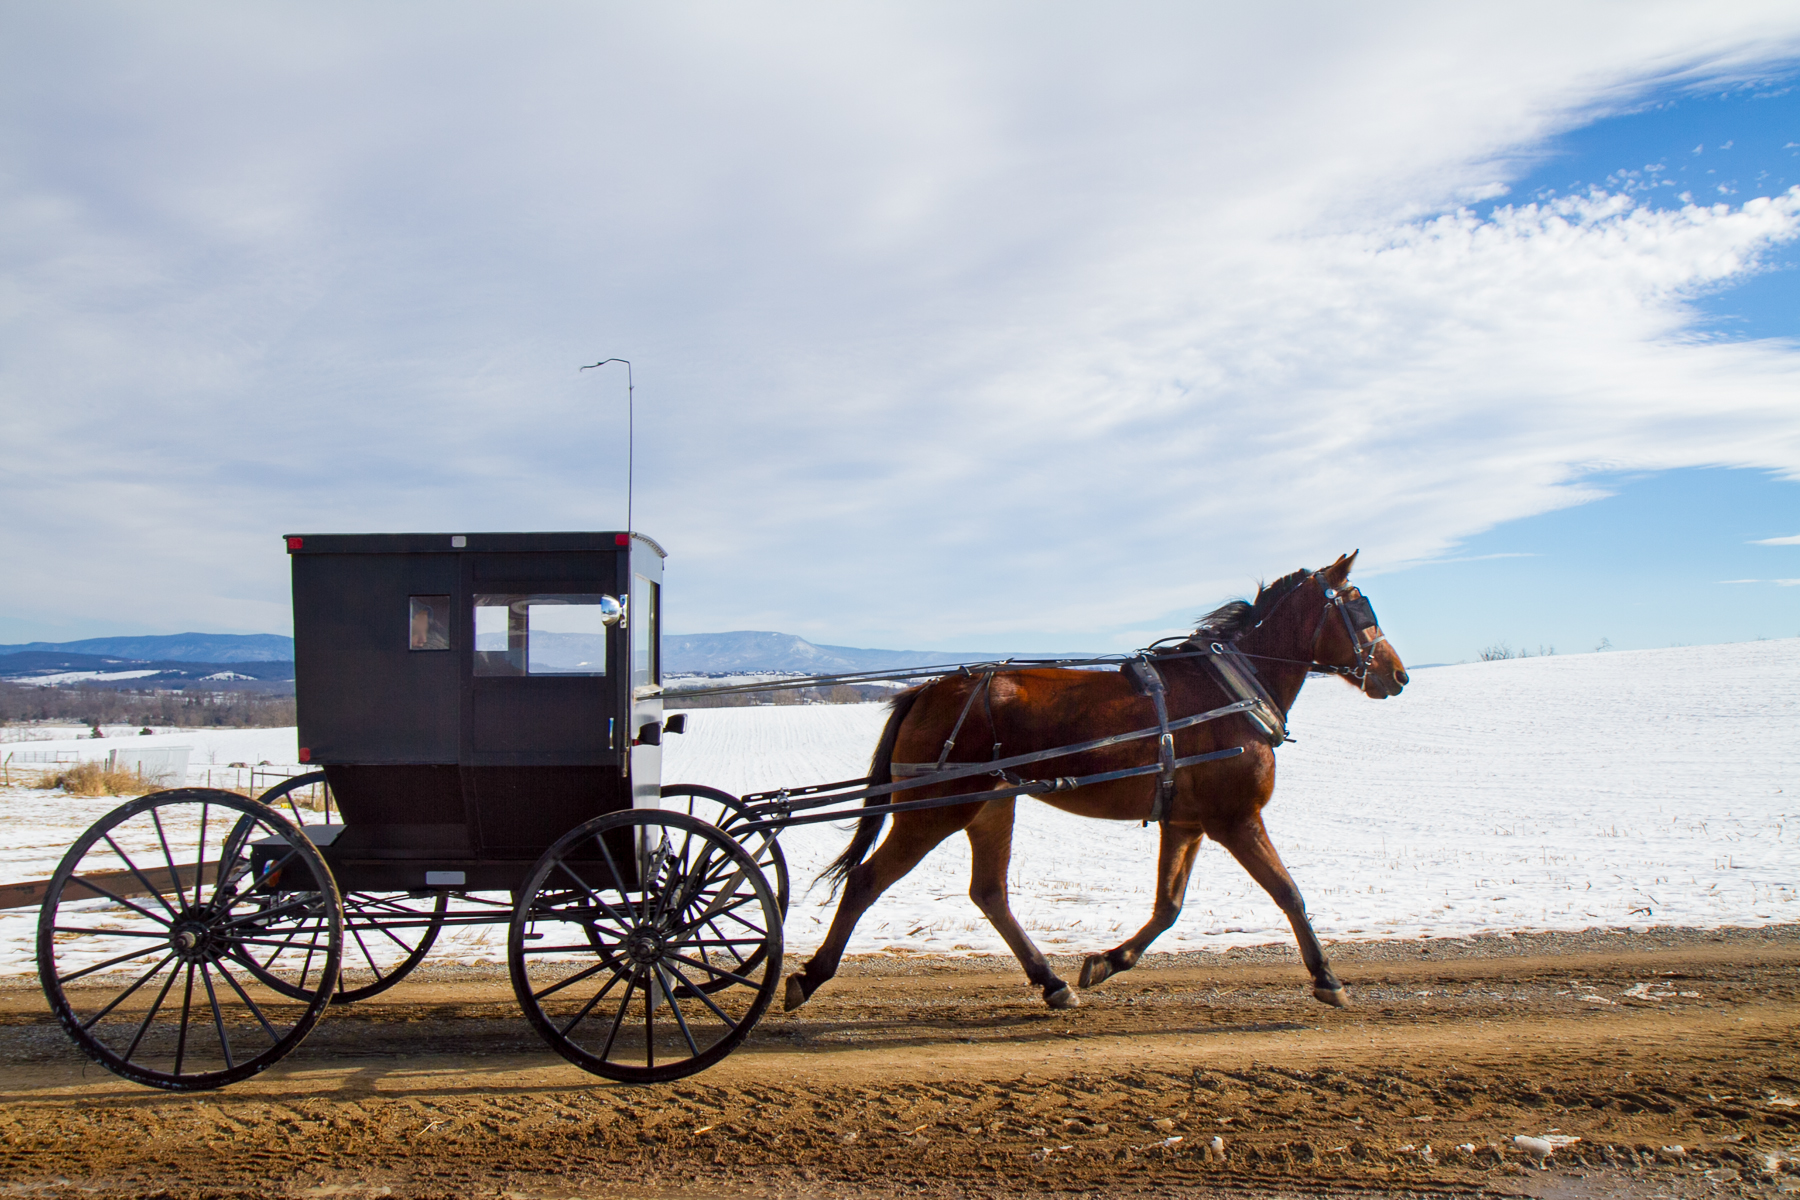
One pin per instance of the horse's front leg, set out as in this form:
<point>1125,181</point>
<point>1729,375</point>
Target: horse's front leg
<point>1174,862</point>
<point>1249,843</point>
<point>990,851</point>
<point>910,837</point>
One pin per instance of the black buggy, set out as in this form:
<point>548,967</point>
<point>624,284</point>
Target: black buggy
<point>484,713</point>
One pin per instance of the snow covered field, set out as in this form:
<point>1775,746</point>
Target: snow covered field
<point>1631,788</point>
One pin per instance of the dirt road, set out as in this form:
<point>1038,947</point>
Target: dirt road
<point>948,1077</point>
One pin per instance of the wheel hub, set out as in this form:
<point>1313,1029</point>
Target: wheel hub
<point>644,948</point>
<point>191,937</point>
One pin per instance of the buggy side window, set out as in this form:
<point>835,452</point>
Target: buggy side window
<point>428,626</point>
<point>560,634</point>
<point>646,646</point>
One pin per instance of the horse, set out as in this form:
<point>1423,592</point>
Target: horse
<point>1305,622</point>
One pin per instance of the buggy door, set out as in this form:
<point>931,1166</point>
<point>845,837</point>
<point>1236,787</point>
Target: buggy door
<point>541,738</point>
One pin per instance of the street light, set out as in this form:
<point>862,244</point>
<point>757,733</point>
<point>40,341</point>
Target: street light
<point>630,430</point>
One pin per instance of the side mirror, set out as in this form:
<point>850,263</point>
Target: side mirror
<point>676,724</point>
<point>649,734</point>
<point>610,610</point>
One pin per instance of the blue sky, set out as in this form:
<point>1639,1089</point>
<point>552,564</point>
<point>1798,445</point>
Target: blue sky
<point>954,326</point>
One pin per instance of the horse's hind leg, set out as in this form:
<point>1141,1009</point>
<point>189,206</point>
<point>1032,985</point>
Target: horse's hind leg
<point>1249,843</point>
<point>1174,862</point>
<point>910,837</point>
<point>990,848</point>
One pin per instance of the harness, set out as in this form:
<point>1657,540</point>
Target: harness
<point>1232,667</point>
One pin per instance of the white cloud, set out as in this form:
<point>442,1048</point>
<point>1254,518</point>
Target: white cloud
<point>1776,541</point>
<point>948,323</point>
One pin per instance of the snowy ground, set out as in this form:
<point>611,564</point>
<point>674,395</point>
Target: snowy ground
<point>1630,788</point>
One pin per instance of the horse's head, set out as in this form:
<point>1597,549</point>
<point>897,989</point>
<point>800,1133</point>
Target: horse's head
<point>1349,640</point>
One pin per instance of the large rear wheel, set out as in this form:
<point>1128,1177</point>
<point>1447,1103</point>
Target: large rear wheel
<point>619,929</point>
<point>167,924</point>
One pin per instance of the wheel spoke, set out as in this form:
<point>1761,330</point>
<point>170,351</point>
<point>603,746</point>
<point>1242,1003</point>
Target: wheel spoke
<point>212,998</point>
<point>168,856</point>
<point>126,994</point>
<point>618,1017</point>
<point>675,1008</point>
<point>571,981</point>
<point>274,1038</point>
<point>187,1005</point>
<point>136,933</point>
<point>589,1006</point>
<point>704,998</point>
<point>205,809</point>
<point>719,972</point>
<point>154,1009</point>
<point>367,957</point>
<point>92,886</point>
<point>611,914</point>
<point>174,875</point>
<point>111,962</point>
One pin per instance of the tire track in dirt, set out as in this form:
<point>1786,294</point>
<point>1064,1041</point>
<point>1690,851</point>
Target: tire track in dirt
<point>948,1077</point>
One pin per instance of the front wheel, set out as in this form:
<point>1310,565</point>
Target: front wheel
<point>618,931</point>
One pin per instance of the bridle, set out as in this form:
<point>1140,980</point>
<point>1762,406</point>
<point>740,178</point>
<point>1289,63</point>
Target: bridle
<point>1358,615</point>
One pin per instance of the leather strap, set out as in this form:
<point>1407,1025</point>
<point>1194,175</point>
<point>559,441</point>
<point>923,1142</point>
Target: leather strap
<point>1150,681</point>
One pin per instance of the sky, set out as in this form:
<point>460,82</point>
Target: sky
<point>994,326</point>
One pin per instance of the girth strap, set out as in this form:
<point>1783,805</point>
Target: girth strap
<point>1150,681</point>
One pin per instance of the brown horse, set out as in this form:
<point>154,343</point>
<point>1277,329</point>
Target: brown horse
<point>1307,621</point>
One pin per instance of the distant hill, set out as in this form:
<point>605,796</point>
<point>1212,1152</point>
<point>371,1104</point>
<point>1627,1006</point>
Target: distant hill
<point>174,647</point>
<point>106,670</point>
<point>755,650</point>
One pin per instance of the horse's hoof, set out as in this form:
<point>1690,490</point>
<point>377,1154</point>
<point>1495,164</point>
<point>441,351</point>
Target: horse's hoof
<point>795,995</point>
<point>1063,997</point>
<point>1337,997</point>
<point>1094,971</point>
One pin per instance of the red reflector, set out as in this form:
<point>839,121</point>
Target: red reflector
<point>621,539</point>
<point>296,543</point>
<point>305,754</point>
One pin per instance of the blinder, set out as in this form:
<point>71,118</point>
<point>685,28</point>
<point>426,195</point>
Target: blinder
<point>1358,615</point>
<point>1358,611</point>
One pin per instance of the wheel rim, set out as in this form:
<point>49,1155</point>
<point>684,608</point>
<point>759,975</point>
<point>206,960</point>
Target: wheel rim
<point>610,973</point>
<point>157,970</point>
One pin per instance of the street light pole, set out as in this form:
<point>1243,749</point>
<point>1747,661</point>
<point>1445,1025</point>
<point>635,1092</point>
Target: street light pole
<point>630,431</point>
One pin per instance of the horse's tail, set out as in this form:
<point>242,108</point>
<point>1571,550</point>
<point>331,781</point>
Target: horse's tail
<point>880,772</point>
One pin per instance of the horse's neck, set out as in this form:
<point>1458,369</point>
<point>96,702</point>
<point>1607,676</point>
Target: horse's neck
<point>1279,665</point>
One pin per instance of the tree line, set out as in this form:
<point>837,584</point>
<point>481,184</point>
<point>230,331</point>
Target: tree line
<point>20,703</point>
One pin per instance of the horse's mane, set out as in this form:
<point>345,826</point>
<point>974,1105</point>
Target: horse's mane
<point>1232,620</point>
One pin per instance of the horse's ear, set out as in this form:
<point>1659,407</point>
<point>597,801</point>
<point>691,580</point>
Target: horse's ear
<point>1339,571</point>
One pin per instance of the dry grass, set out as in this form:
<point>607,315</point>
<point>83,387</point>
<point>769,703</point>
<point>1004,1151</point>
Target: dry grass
<point>94,779</point>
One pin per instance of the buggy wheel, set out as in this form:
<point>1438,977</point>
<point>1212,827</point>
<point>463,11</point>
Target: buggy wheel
<point>617,927</point>
<point>388,933</point>
<point>727,811</point>
<point>164,924</point>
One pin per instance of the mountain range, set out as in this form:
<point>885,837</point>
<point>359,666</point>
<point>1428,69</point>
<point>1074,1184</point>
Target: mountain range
<point>173,647</point>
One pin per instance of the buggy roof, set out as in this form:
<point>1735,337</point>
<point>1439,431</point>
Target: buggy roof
<point>440,543</point>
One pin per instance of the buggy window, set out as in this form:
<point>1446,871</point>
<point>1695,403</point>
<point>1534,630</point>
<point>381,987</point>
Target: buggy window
<point>646,646</point>
<point>540,635</point>
<point>428,626</point>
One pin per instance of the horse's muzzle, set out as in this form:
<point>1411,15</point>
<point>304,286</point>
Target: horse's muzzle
<point>1379,685</point>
